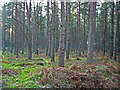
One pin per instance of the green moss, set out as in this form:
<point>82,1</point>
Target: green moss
<point>30,74</point>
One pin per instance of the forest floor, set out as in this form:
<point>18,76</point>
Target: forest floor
<point>41,73</point>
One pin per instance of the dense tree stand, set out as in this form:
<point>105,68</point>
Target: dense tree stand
<point>60,44</point>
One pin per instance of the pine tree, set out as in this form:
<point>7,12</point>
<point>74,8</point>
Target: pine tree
<point>29,30</point>
<point>91,32</point>
<point>68,33</point>
<point>62,37</point>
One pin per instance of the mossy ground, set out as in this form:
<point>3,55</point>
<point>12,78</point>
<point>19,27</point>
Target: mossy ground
<point>40,72</point>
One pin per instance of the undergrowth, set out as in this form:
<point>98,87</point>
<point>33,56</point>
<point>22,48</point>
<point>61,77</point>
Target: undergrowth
<point>41,73</point>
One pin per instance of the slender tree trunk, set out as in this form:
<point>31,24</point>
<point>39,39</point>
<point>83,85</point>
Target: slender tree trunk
<point>25,30</point>
<point>112,29</point>
<point>116,33</point>
<point>66,24</point>
<point>20,33</point>
<point>68,33</point>
<point>57,32</point>
<point>53,33</point>
<point>47,28</point>
<point>3,38</point>
<point>23,41</point>
<point>9,39</point>
<point>56,29</point>
<point>3,30</point>
<point>89,19</point>
<point>75,30</point>
<point>79,42</point>
<point>105,28</point>
<point>16,32</point>
<point>12,29</point>
<point>92,31</point>
<point>41,39</point>
<point>37,30</point>
<point>84,32</point>
<point>50,39</point>
<point>119,32</point>
<point>72,37</point>
<point>119,38</point>
<point>34,29</point>
<point>29,31</point>
<point>62,33</point>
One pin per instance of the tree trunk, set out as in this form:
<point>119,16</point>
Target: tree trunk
<point>3,29</point>
<point>50,39</point>
<point>37,30</point>
<point>116,33</point>
<point>119,38</point>
<point>105,28</point>
<point>20,30</point>
<point>112,29</point>
<point>91,32</point>
<point>34,28</point>
<point>66,24</point>
<point>89,18</point>
<point>56,29</point>
<point>16,32</point>
<point>53,33</point>
<point>68,33</point>
<point>62,33</point>
<point>9,39</point>
<point>23,41</point>
<point>57,32</point>
<point>75,33</point>
<point>12,29</point>
<point>29,31</point>
<point>83,46</point>
<point>41,38</point>
<point>47,28</point>
<point>79,43</point>
<point>119,33</point>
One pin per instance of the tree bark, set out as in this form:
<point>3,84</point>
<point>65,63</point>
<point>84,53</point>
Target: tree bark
<point>66,24</point>
<point>62,37</point>
<point>12,29</point>
<point>29,31</point>
<point>16,32</point>
<point>116,33</point>
<point>41,38</point>
<point>112,29</point>
<point>83,46</point>
<point>53,33</point>
<point>47,28</point>
<point>37,30</point>
<point>56,29</point>
<point>79,41</point>
<point>92,31</point>
<point>105,28</point>
<point>23,41</point>
<point>9,39</point>
<point>3,29</point>
<point>119,32</point>
<point>20,33</point>
<point>50,39</point>
<point>68,33</point>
